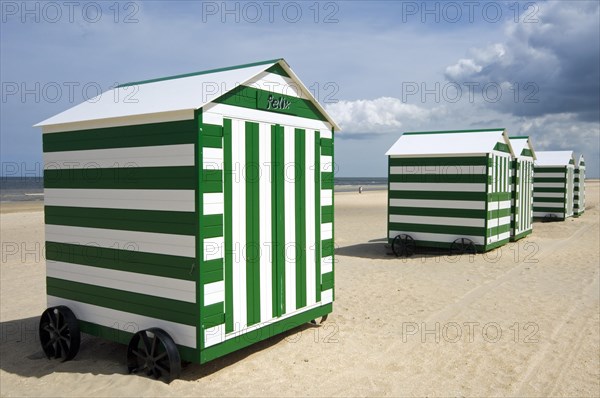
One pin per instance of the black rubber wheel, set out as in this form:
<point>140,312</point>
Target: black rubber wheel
<point>550,217</point>
<point>154,352</point>
<point>323,319</point>
<point>59,333</point>
<point>463,246</point>
<point>403,245</point>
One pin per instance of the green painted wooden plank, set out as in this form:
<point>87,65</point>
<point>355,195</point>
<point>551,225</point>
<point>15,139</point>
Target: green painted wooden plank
<point>252,176</point>
<point>492,214</point>
<point>120,300</point>
<point>333,224</point>
<point>440,161</point>
<point>435,212</point>
<point>278,70</point>
<point>542,209</point>
<point>253,98</point>
<point>521,235</point>
<point>212,271</point>
<point>327,281</point>
<point>212,130</point>
<point>120,334</point>
<point>501,147</point>
<point>127,259</point>
<point>212,220</point>
<point>451,131</point>
<point>263,333</point>
<point>228,223</point>
<point>167,133</point>
<point>549,179</point>
<point>212,310</point>
<point>327,211</point>
<point>178,177</point>
<point>441,178</point>
<point>437,195</point>
<point>541,170</point>
<point>327,248</point>
<point>212,142</point>
<point>526,152</point>
<point>322,214</point>
<point>300,216</point>
<point>167,222</point>
<point>212,321</point>
<point>500,229</point>
<point>211,232</point>
<point>554,200</point>
<point>540,189</point>
<point>499,196</point>
<point>204,72</point>
<point>327,180</point>
<point>438,229</point>
<point>277,154</point>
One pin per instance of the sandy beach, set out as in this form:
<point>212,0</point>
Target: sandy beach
<point>522,320</point>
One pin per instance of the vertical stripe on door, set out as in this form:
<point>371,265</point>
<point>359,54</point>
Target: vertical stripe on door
<point>300,195</point>
<point>238,229</point>
<point>290,219</point>
<point>317,226</point>
<point>309,204</point>
<point>266,241</point>
<point>251,175</point>
<point>278,220</point>
<point>227,221</point>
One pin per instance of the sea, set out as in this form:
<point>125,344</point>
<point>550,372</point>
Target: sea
<point>20,189</point>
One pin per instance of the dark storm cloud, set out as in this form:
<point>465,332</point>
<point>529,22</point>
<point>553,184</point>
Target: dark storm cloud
<point>554,62</point>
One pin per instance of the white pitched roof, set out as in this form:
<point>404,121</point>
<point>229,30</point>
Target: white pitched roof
<point>177,93</point>
<point>554,158</point>
<point>447,143</point>
<point>520,143</point>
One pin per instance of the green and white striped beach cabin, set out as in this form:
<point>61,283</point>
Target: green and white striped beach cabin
<point>579,189</point>
<point>201,204</point>
<point>553,185</point>
<point>448,185</point>
<point>522,190</point>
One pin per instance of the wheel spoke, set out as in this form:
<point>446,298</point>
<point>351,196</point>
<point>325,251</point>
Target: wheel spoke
<point>57,353</point>
<point>155,372</point>
<point>138,354</point>
<point>161,369</point>
<point>58,320</point>
<point>161,356</point>
<point>49,343</point>
<point>146,342</point>
<point>52,319</point>
<point>153,349</point>
<point>65,349</point>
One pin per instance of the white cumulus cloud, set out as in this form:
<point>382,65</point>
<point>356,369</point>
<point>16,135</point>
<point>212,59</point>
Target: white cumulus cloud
<point>377,116</point>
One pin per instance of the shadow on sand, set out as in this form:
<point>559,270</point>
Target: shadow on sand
<point>378,249</point>
<point>21,354</point>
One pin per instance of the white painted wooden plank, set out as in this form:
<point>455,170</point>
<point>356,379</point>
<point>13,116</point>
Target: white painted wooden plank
<point>437,187</point>
<point>182,334</point>
<point>148,242</point>
<point>290,219</point>
<point>134,199</point>
<point>144,156</point>
<point>151,285</point>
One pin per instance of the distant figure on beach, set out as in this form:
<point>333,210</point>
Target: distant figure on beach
<point>360,189</point>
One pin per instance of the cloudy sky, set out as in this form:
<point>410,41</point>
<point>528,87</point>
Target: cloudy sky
<point>379,68</point>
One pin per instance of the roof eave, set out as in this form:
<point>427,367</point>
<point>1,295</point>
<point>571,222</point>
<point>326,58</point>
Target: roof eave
<point>307,92</point>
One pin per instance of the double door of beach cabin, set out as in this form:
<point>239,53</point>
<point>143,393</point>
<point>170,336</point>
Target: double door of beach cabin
<point>271,222</point>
